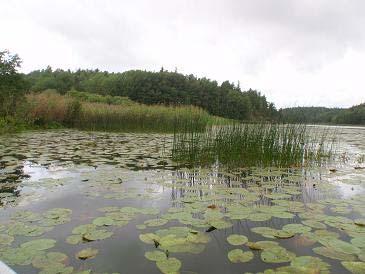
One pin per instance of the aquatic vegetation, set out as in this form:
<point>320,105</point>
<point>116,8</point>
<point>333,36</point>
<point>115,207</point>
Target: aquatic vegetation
<point>108,193</point>
<point>239,256</point>
<point>252,145</point>
<point>169,265</point>
<point>87,253</point>
<point>235,239</point>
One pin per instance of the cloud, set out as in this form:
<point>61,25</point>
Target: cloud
<point>295,52</point>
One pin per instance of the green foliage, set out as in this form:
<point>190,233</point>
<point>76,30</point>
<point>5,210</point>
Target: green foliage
<point>12,84</point>
<point>164,87</point>
<point>251,145</point>
<point>316,115</point>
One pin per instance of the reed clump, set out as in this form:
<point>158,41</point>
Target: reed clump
<point>251,145</point>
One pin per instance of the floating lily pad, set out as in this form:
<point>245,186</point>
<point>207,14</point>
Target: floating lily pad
<point>156,222</point>
<point>314,224</point>
<point>238,256</point>
<point>261,245</point>
<point>311,263</point>
<point>343,246</point>
<point>103,221</point>
<point>6,239</point>
<point>94,235</point>
<point>41,244</point>
<point>149,238</point>
<point>355,267</point>
<point>74,239</point>
<point>236,239</point>
<point>155,255</point>
<point>49,260</point>
<point>333,254</point>
<point>87,253</point>
<point>169,265</point>
<point>276,255</point>
<point>296,228</point>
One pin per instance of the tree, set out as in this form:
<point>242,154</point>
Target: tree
<point>12,84</point>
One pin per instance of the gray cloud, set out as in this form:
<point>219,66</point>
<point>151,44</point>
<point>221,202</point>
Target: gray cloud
<point>283,47</point>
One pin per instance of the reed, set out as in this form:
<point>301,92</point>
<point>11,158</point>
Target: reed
<point>251,145</point>
<point>49,107</point>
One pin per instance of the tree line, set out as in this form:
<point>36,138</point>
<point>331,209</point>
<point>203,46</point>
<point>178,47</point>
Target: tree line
<point>320,115</point>
<point>163,87</point>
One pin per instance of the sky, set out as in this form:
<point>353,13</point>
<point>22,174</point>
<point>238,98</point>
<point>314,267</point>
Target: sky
<point>295,52</point>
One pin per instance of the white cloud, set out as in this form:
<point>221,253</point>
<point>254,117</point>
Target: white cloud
<point>295,52</point>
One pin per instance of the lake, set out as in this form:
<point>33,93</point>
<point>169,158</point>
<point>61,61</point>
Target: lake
<point>92,202</point>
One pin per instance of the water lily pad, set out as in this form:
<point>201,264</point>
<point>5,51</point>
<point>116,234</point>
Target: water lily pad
<point>238,256</point>
<point>94,235</point>
<point>314,224</point>
<point>261,245</point>
<point>354,267</point>
<point>236,239</point>
<point>359,241</point>
<point>83,229</point>
<point>333,254</point>
<point>220,224</point>
<point>49,260</point>
<point>296,228</point>
<point>311,263</point>
<point>87,253</point>
<point>359,222</point>
<point>155,255</point>
<point>103,221</point>
<point>169,265</point>
<point>149,238</point>
<point>276,255</point>
<point>156,222</point>
<point>6,239</point>
<point>343,246</point>
<point>41,244</point>
<point>74,239</point>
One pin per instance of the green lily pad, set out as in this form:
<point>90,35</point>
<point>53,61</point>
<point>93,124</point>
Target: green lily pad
<point>149,238</point>
<point>282,234</point>
<point>6,239</point>
<point>359,241</point>
<point>236,239</point>
<point>238,256</point>
<point>94,235</point>
<point>155,255</point>
<point>220,224</point>
<point>359,222</point>
<point>276,255</point>
<point>49,260</point>
<point>87,253</point>
<point>343,246</point>
<point>333,254</point>
<point>103,221</point>
<point>41,244</point>
<point>354,267</point>
<point>169,265</point>
<point>83,229</point>
<point>296,228</point>
<point>261,245</point>
<point>314,224</point>
<point>74,239</point>
<point>313,263</point>
<point>156,222</point>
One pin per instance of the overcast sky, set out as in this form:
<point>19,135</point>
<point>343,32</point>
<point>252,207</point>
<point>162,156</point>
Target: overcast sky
<point>297,53</point>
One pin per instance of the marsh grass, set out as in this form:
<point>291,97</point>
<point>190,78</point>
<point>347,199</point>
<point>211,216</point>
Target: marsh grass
<point>49,108</point>
<point>252,145</point>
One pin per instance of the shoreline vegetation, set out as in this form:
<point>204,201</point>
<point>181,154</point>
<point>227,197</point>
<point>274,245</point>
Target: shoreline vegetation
<point>264,145</point>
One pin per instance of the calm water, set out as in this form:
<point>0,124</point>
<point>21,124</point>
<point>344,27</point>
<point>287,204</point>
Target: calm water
<point>87,173</point>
